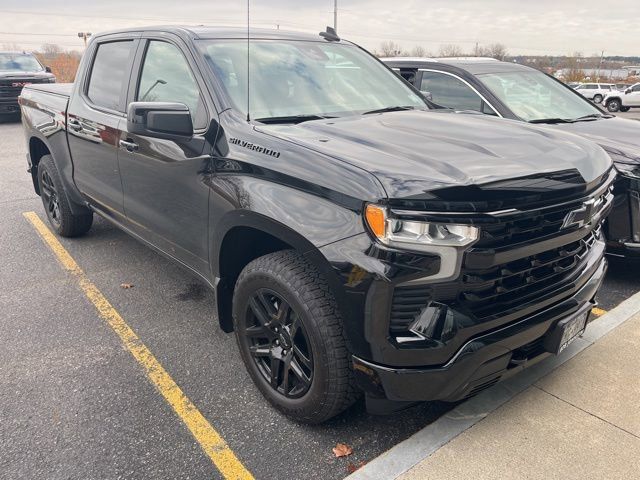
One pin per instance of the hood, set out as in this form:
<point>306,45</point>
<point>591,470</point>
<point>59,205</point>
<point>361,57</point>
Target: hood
<point>620,137</point>
<point>13,74</point>
<point>415,152</point>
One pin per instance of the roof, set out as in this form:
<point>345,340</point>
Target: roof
<point>474,65</point>
<point>204,31</point>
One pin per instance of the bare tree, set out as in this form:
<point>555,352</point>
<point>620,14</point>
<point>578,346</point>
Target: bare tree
<point>495,50</point>
<point>11,47</point>
<point>390,49</point>
<point>419,51</point>
<point>450,50</point>
<point>50,50</point>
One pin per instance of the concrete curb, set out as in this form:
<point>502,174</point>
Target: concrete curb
<point>423,443</point>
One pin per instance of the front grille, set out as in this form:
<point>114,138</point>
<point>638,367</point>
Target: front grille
<point>497,290</point>
<point>526,226</point>
<point>485,294</point>
<point>7,90</point>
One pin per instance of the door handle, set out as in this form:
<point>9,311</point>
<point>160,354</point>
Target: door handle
<point>129,145</point>
<point>74,125</point>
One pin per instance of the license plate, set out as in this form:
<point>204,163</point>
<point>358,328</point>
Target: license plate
<point>566,331</point>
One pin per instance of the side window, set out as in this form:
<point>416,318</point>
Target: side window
<point>450,92</point>
<point>409,76</point>
<point>109,74</point>
<point>166,77</point>
<point>636,88</point>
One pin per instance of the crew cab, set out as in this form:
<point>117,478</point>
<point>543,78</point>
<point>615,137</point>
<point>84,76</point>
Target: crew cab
<point>623,101</point>
<point>356,239</point>
<point>18,69</point>
<point>517,92</point>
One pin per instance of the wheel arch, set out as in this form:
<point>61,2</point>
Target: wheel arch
<point>37,149</point>
<point>243,236</point>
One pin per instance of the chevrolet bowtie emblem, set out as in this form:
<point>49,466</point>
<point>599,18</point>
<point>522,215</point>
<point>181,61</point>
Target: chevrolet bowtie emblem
<point>581,216</point>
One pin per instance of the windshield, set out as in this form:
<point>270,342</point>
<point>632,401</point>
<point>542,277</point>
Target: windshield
<point>302,78</point>
<point>19,62</point>
<point>534,96</point>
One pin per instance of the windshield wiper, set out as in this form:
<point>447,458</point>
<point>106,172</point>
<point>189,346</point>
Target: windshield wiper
<point>551,120</point>
<point>292,118</point>
<point>390,109</point>
<point>591,116</point>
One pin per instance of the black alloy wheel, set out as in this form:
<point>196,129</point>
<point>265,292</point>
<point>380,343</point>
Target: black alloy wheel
<point>279,344</point>
<point>50,198</point>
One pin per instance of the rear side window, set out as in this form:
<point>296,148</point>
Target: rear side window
<point>109,73</point>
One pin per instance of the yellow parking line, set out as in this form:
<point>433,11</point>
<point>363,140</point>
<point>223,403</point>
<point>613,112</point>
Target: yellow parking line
<point>598,311</point>
<point>208,438</point>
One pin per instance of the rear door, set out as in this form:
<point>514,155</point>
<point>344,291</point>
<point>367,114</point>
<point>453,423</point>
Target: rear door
<point>95,112</point>
<point>165,181</point>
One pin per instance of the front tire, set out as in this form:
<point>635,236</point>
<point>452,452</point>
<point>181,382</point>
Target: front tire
<point>289,332</point>
<point>613,105</point>
<point>56,203</point>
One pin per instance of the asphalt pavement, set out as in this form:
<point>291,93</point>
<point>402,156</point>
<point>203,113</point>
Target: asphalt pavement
<point>77,405</point>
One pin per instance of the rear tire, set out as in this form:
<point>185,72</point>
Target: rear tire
<point>290,336</point>
<point>597,98</point>
<point>56,203</point>
<point>625,109</point>
<point>613,105</point>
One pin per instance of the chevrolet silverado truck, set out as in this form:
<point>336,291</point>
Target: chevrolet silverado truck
<point>357,240</point>
<point>18,69</point>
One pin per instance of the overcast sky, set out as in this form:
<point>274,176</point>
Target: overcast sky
<point>533,27</point>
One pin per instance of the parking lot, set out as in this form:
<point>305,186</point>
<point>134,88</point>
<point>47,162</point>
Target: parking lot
<point>77,404</point>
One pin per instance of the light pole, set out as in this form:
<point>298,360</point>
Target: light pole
<point>84,36</point>
<point>335,15</point>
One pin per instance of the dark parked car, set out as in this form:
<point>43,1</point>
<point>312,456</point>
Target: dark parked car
<point>18,69</point>
<point>517,92</point>
<point>356,241</point>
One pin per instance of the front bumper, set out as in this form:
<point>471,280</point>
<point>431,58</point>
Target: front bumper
<point>481,362</point>
<point>9,105</point>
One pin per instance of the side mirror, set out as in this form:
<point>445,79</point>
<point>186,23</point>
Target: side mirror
<point>171,121</point>
<point>628,90</point>
<point>427,95</point>
<point>47,69</point>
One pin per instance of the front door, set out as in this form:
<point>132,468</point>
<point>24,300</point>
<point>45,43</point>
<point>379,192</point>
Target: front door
<point>164,181</point>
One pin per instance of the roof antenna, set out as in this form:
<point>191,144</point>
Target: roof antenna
<point>330,35</point>
<point>248,73</point>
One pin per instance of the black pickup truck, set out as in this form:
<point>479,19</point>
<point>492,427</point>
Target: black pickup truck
<point>357,240</point>
<point>18,69</point>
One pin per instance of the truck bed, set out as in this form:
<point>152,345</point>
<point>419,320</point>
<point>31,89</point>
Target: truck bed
<point>61,89</point>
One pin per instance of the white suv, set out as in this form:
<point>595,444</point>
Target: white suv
<point>623,101</point>
<point>595,91</point>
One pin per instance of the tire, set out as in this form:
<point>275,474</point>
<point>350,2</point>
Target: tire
<point>56,203</point>
<point>317,383</point>
<point>625,109</point>
<point>597,98</point>
<point>613,105</point>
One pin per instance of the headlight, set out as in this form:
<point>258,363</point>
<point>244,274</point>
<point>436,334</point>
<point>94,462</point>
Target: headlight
<point>417,235</point>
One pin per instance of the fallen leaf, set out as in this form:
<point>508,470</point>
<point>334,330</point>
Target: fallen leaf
<point>342,450</point>
<point>126,285</point>
<point>352,467</point>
